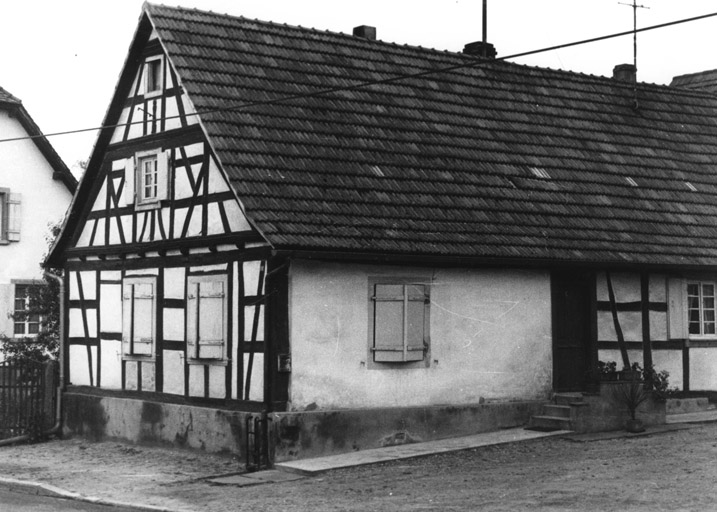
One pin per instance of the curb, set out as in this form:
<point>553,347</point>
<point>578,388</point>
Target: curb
<point>42,489</point>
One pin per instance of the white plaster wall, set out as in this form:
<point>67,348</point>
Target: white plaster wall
<point>490,338</point>
<point>703,369</point>
<point>24,170</point>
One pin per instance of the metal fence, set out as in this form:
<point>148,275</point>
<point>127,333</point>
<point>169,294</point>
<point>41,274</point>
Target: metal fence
<point>27,398</point>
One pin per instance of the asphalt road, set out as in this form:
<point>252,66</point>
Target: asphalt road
<point>19,501</point>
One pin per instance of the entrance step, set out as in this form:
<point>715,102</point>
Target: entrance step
<point>557,414</point>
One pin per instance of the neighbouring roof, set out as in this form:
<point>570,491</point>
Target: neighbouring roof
<point>488,161</point>
<point>703,81</point>
<point>60,171</point>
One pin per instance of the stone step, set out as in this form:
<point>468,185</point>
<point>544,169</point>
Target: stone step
<point>568,398</point>
<point>688,405</point>
<point>545,422</point>
<point>558,411</point>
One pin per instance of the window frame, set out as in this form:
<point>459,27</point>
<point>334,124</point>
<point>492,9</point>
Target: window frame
<point>128,317</point>
<point>373,282</point>
<point>193,317</point>
<point>162,179</point>
<point>147,76</point>
<point>26,323</point>
<point>10,216</point>
<point>700,283</point>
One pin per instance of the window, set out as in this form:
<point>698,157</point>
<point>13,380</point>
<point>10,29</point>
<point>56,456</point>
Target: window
<point>399,321</point>
<point>701,315</point>
<point>153,76</point>
<point>25,323</point>
<point>10,216</point>
<point>207,317</point>
<point>147,179</point>
<point>139,319</point>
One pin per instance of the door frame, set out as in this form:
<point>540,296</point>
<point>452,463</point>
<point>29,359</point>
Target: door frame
<point>588,279</point>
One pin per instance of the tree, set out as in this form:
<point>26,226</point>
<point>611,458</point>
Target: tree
<point>44,301</point>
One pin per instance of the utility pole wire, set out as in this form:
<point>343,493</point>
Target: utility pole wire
<point>361,85</point>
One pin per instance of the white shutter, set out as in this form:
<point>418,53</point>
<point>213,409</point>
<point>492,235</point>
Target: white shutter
<point>676,309</point>
<point>129,173</point>
<point>127,291</point>
<point>192,312</point>
<point>206,318</point>
<point>211,320</point>
<point>143,319</point>
<point>14,217</point>
<point>163,175</point>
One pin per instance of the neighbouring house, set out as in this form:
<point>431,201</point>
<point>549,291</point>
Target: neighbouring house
<point>36,188</point>
<point>371,242</point>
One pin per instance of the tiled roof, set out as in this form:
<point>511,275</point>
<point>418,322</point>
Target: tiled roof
<point>496,160</point>
<point>6,97</point>
<point>702,81</point>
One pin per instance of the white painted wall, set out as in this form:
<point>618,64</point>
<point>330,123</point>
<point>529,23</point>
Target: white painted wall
<point>24,170</point>
<point>490,338</point>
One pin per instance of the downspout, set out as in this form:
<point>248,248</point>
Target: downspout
<point>61,383</point>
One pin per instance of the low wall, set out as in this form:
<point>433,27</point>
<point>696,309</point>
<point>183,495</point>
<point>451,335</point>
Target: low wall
<point>295,435</point>
<point>301,435</point>
<point>604,411</point>
<point>100,418</point>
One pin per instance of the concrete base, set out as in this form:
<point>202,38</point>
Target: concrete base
<point>294,435</point>
<point>100,418</point>
<point>605,412</point>
<point>301,435</point>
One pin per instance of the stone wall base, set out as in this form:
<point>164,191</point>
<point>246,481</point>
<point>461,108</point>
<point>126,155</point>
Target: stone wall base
<point>294,435</point>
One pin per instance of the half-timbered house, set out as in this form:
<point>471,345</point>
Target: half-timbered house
<point>35,190</point>
<point>370,241</point>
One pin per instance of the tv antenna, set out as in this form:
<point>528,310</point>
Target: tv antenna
<point>635,7</point>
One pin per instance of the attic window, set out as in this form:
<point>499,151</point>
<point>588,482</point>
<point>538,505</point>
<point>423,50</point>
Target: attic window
<point>631,181</point>
<point>153,76</point>
<point>539,172</point>
<point>690,186</point>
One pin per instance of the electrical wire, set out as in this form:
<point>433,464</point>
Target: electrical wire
<point>361,85</point>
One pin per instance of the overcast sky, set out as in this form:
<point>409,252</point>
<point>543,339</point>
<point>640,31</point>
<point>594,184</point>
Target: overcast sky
<point>62,57</point>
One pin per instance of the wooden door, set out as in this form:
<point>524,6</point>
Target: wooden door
<point>571,301</point>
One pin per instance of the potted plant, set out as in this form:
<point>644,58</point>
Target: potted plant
<point>632,393</point>
<point>607,370</point>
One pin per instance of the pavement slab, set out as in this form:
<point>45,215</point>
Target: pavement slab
<point>405,451</point>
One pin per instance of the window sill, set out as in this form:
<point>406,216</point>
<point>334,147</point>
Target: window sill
<point>146,359</point>
<point>148,205</point>
<point>208,362</point>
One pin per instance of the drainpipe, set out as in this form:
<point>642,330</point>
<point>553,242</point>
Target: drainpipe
<point>61,384</point>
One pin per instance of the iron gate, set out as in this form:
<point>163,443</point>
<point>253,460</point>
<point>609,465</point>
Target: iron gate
<point>27,398</point>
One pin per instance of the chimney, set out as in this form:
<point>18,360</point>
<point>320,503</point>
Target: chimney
<point>480,49</point>
<point>366,32</point>
<point>625,73</point>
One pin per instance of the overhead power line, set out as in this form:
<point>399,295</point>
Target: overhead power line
<point>478,62</point>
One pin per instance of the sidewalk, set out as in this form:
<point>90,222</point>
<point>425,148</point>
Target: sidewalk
<point>166,479</point>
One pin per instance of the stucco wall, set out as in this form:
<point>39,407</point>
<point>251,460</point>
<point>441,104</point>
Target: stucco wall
<point>490,334</point>
<point>24,171</point>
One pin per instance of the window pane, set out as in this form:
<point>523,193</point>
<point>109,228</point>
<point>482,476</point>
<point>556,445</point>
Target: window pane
<point>709,315</point>
<point>19,328</point>
<point>708,290</point>
<point>694,327</point>
<point>693,289</point>
<point>709,328</point>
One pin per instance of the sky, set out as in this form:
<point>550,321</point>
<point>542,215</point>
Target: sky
<point>62,58</point>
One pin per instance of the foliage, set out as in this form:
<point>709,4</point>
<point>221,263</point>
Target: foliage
<point>632,393</point>
<point>607,367</point>
<point>44,300</point>
<point>659,382</point>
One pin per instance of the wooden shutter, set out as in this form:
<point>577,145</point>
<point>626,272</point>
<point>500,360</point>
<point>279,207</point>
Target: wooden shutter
<point>163,175</point>
<point>676,308</point>
<point>399,323</point>
<point>129,174</point>
<point>138,318</point>
<point>14,217</point>
<point>206,318</point>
